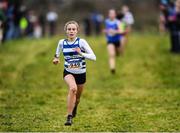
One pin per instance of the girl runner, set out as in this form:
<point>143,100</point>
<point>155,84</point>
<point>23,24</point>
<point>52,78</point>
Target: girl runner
<point>113,36</point>
<point>75,51</point>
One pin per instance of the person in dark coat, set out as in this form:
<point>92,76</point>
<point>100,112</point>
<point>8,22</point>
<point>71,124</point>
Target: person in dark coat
<point>174,27</point>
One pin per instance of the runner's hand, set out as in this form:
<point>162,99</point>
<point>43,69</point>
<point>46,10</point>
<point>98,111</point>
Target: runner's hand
<point>55,61</point>
<point>77,50</point>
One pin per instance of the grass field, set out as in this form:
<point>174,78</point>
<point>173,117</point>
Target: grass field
<point>144,95</point>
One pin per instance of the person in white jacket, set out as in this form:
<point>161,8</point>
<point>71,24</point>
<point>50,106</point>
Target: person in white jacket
<point>128,19</point>
<point>52,18</point>
<point>75,51</point>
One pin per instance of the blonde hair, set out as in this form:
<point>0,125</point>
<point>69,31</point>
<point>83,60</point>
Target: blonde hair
<point>71,22</point>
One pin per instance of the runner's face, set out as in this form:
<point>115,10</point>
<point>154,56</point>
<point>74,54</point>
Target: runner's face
<point>71,31</point>
<point>125,9</point>
<point>112,14</point>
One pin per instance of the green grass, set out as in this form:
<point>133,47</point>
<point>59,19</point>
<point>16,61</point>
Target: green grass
<point>144,95</point>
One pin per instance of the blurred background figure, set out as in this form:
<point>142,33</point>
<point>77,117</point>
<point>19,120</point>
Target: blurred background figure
<point>170,21</point>
<point>1,26</point>
<point>23,24</point>
<point>97,21</point>
<point>166,6</point>
<point>128,17</point>
<point>52,18</point>
<point>162,23</point>
<point>87,26</point>
<point>3,6</point>
<point>17,17</point>
<point>10,22</point>
<point>123,28</point>
<point>174,27</point>
<point>127,20</point>
<point>37,30</point>
<point>113,37</point>
<point>32,20</point>
<point>42,22</point>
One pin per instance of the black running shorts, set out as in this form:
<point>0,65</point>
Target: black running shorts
<point>79,78</point>
<point>116,44</point>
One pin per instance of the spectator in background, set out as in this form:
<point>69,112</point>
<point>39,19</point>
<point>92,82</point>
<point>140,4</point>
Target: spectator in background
<point>2,19</point>
<point>13,15</point>
<point>87,26</point>
<point>42,22</point>
<point>52,18</point>
<point>10,22</point>
<point>23,24</point>
<point>32,19</point>
<point>1,25</point>
<point>174,27</point>
<point>17,17</point>
<point>97,20</point>
<point>166,6</point>
<point>37,30</point>
<point>162,23</point>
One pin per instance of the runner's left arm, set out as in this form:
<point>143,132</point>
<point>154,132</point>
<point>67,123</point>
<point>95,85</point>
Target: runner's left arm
<point>89,54</point>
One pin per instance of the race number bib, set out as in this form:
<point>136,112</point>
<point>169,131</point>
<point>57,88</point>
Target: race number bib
<point>74,64</point>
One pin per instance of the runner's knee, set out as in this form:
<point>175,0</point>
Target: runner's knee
<point>73,88</point>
